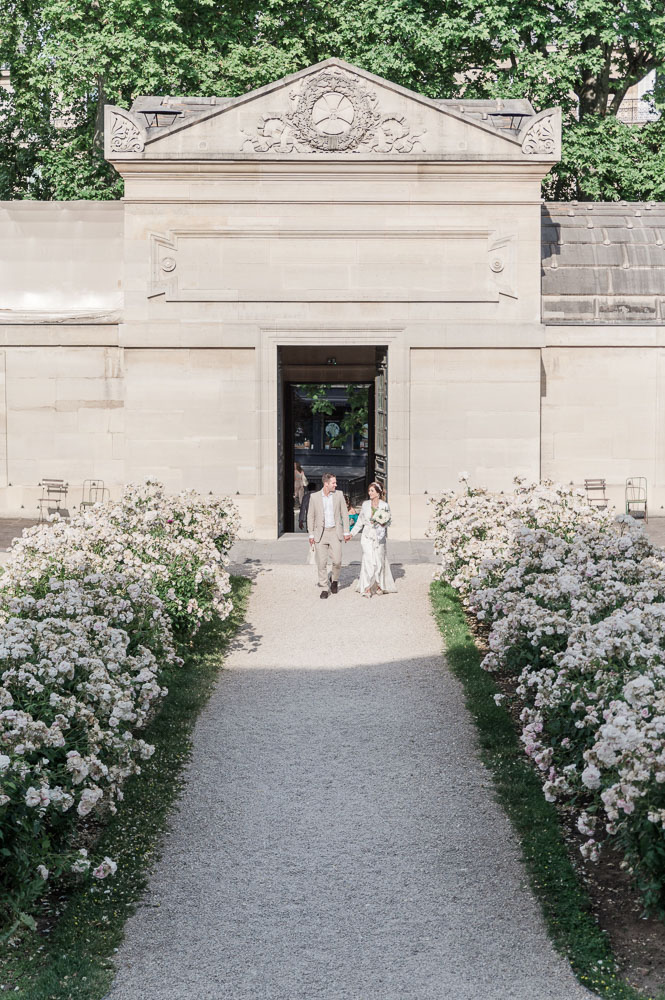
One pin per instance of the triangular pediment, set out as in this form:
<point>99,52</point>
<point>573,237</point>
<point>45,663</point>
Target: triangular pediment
<point>329,111</point>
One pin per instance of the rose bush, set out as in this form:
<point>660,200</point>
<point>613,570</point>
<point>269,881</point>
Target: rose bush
<point>574,600</point>
<point>89,614</point>
<point>179,544</point>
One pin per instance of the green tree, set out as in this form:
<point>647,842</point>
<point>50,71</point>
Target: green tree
<point>356,413</point>
<point>318,395</point>
<point>68,57</point>
<point>605,160</point>
<point>583,55</point>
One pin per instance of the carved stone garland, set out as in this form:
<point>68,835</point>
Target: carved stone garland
<point>334,112</point>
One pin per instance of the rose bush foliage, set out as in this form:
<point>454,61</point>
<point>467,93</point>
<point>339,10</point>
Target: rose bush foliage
<point>574,600</point>
<point>90,613</point>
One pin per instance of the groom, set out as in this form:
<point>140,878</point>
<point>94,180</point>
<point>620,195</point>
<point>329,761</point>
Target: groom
<point>328,524</point>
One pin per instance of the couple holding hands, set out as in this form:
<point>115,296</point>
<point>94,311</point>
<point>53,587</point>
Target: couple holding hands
<point>328,527</point>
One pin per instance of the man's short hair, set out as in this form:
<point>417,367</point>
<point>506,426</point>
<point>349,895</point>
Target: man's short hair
<point>327,476</point>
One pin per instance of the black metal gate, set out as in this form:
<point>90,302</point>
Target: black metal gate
<point>282,467</point>
<point>381,418</point>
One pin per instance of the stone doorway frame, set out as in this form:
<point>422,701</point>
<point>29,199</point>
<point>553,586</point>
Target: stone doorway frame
<point>331,337</point>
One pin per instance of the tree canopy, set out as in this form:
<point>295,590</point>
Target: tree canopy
<point>67,58</point>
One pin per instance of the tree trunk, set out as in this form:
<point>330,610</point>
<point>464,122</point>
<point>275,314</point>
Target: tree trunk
<point>98,140</point>
<point>595,88</point>
<point>592,100</point>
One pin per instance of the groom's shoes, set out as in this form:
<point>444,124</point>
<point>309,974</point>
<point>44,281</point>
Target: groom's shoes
<point>333,587</point>
<point>323,595</point>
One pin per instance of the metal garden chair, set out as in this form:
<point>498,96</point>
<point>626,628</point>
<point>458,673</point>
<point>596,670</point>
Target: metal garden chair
<point>636,497</point>
<point>595,493</point>
<point>94,492</point>
<point>53,499</point>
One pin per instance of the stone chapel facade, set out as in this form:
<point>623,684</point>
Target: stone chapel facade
<point>331,214</point>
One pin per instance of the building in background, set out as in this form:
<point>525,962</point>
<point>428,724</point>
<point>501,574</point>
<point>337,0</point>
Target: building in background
<point>638,106</point>
<point>330,215</point>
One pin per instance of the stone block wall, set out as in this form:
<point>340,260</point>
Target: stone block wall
<point>63,418</point>
<point>603,416</point>
<point>109,370</point>
<point>191,418</point>
<point>476,411</point>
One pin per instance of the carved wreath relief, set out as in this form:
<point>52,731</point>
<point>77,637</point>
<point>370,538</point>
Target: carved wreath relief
<point>333,112</point>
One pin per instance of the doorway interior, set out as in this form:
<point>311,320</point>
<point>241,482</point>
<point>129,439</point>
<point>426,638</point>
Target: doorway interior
<point>333,417</point>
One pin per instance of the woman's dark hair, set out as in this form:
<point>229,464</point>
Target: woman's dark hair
<point>377,487</point>
<point>298,466</point>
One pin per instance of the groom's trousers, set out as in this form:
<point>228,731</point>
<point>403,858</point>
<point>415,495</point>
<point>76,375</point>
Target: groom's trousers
<point>330,545</point>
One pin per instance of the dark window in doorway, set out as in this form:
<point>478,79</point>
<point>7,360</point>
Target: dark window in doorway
<point>330,420</point>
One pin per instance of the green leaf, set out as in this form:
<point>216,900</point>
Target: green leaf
<point>67,59</point>
<point>27,921</point>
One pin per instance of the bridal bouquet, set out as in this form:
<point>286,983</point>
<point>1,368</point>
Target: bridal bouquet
<point>381,516</point>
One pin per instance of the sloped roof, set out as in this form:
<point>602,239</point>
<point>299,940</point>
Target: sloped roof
<point>603,262</point>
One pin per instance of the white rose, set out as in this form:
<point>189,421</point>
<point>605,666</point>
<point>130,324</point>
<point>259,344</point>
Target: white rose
<point>32,797</point>
<point>591,776</point>
<point>88,800</point>
<point>107,867</point>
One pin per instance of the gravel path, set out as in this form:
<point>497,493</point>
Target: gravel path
<point>338,837</point>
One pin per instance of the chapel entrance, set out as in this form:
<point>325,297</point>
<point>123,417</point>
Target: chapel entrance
<point>333,417</point>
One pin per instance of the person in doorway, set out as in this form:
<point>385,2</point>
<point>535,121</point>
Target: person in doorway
<point>328,526</point>
<point>353,513</point>
<point>373,522</point>
<point>299,482</point>
<point>304,506</point>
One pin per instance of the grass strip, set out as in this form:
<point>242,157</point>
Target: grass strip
<point>75,960</point>
<point>565,904</point>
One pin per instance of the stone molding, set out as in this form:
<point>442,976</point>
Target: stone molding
<point>169,251</point>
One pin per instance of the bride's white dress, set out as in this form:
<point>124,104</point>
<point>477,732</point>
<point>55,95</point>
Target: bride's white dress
<point>374,568</point>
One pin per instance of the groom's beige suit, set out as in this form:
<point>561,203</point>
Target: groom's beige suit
<point>328,540</point>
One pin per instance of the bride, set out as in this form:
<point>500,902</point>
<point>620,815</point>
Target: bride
<point>374,568</point>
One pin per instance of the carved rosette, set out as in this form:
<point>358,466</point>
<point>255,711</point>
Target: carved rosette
<point>334,112</point>
<point>163,264</point>
<point>123,135</point>
<point>501,259</point>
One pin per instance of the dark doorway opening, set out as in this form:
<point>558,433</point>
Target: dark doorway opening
<point>333,418</point>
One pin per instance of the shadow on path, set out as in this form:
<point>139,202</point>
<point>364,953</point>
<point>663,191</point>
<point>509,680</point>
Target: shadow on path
<point>338,837</point>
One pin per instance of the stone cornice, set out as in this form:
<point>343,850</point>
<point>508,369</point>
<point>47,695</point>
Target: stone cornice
<point>399,168</point>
